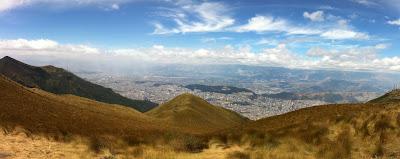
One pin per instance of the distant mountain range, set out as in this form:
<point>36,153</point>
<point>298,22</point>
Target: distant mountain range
<point>59,81</point>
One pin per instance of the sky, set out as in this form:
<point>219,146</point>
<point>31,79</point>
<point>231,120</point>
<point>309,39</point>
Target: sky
<point>310,34</point>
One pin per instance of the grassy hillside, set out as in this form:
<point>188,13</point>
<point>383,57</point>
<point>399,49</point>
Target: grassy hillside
<point>101,126</point>
<point>330,131</point>
<point>189,127</point>
<point>60,81</point>
<point>195,114</point>
<point>42,112</point>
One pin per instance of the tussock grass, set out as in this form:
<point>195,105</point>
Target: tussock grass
<point>238,155</point>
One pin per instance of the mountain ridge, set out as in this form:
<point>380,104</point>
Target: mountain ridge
<point>59,81</point>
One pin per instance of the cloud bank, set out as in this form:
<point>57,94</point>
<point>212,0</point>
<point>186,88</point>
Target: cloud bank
<point>354,58</point>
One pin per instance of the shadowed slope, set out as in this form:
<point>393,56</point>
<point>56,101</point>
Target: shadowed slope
<point>42,112</point>
<point>195,114</point>
<point>59,81</point>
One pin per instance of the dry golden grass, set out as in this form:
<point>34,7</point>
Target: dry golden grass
<point>38,111</point>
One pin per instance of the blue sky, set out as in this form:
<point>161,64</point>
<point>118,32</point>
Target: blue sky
<point>342,34</point>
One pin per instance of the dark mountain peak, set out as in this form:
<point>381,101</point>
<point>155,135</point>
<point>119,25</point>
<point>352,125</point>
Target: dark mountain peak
<point>5,58</point>
<point>10,60</point>
<point>22,73</point>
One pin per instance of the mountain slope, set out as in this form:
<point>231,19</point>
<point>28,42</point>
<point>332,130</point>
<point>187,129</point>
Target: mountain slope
<point>195,114</point>
<point>42,112</point>
<point>60,81</point>
<point>392,96</point>
<point>367,130</point>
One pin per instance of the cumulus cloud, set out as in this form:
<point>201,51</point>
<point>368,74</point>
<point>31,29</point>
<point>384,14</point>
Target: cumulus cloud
<point>315,16</point>
<point>209,17</point>
<point>352,58</point>
<point>394,22</point>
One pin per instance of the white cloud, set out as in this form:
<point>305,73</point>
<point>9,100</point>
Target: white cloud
<point>213,17</point>
<point>265,41</point>
<point>381,46</point>
<point>270,24</point>
<point>367,2</point>
<point>10,4</point>
<point>262,24</point>
<point>44,47</point>
<point>351,58</point>
<point>365,58</point>
<point>394,22</point>
<point>340,34</point>
<point>114,6</point>
<point>214,40</point>
<point>210,17</point>
<point>315,16</point>
<point>6,5</point>
<point>27,44</point>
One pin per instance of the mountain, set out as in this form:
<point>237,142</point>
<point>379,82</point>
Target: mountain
<point>392,96</point>
<point>192,112</point>
<point>38,111</point>
<point>59,81</point>
<point>365,130</point>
